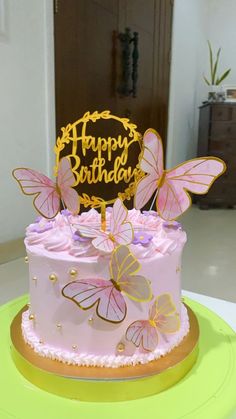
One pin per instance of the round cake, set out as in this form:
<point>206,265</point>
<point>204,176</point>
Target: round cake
<point>85,305</point>
<point>105,319</point>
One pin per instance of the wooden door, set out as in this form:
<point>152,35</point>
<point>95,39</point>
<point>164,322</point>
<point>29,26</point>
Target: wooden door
<point>88,64</point>
<point>87,59</point>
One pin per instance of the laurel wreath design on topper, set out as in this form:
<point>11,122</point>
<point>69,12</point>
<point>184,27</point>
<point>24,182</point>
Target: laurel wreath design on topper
<point>75,134</point>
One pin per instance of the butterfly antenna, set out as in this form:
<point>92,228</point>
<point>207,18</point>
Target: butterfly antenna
<point>153,201</point>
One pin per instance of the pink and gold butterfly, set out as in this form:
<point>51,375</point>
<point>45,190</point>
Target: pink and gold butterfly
<point>119,232</point>
<point>107,295</point>
<point>162,319</point>
<point>49,193</point>
<point>172,186</point>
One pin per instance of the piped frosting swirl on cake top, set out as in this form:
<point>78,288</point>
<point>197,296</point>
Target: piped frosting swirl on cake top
<point>151,234</point>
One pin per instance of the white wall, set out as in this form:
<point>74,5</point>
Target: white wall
<point>189,54</point>
<point>221,30</point>
<point>196,21</point>
<point>27,129</point>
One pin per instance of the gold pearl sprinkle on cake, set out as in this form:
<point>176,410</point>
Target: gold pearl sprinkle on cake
<point>34,278</point>
<point>73,272</point>
<point>53,277</point>
<point>31,317</point>
<point>121,347</point>
<point>59,326</point>
<point>178,269</point>
<point>90,320</point>
<point>74,347</point>
<point>26,259</point>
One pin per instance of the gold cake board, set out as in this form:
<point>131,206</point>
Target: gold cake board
<point>105,384</point>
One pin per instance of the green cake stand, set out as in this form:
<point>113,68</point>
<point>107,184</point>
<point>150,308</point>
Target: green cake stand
<point>208,391</point>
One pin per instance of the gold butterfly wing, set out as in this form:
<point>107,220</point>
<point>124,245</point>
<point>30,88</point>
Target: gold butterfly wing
<point>123,269</point>
<point>163,314</point>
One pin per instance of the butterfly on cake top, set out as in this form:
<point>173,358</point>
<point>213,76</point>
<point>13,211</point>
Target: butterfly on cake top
<point>49,194</point>
<point>120,231</point>
<point>170,189</point>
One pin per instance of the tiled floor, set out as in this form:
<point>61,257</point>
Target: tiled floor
<point>209,261</point>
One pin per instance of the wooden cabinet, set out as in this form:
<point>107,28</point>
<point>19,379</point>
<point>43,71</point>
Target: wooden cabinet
<point>217,137</point>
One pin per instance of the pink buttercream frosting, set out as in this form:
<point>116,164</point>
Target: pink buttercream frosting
<point>57,247</point>
<point>57,236</point>
<point>112,361</point>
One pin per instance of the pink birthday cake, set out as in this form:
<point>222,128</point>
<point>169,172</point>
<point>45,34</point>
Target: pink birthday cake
<point>66,320</point>
<point>105,286</point>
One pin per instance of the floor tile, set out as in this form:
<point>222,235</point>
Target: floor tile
<point>209,260</point>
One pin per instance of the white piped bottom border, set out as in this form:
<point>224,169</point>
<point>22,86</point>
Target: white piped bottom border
<point>109,361</point>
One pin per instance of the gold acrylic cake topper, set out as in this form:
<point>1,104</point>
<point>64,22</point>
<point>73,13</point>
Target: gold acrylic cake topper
<point>84,157</point>
<point>80,145</point>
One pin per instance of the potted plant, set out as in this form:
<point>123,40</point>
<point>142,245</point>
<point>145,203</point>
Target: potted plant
<point>214,81</point>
